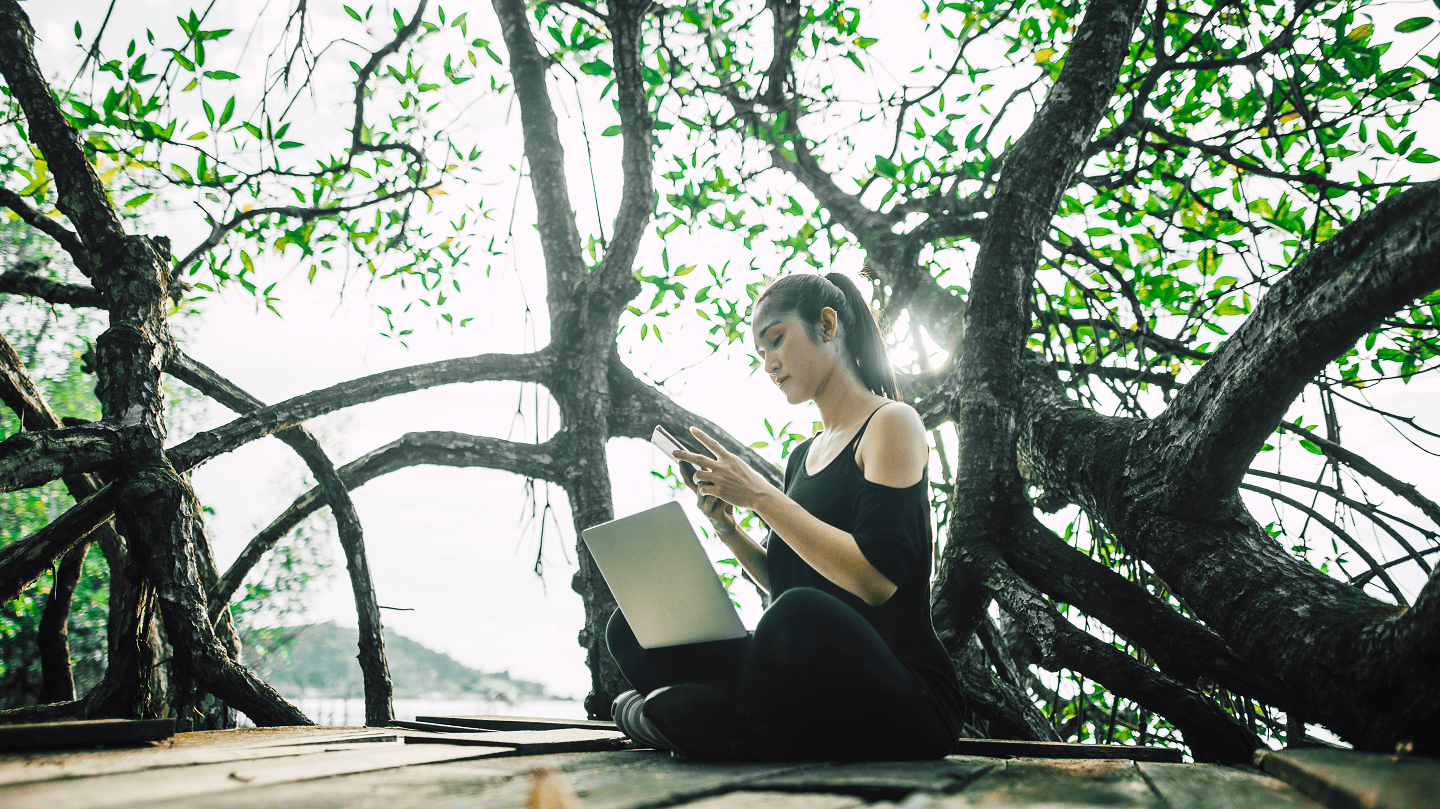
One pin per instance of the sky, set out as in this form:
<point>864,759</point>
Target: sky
<point>453,550</point>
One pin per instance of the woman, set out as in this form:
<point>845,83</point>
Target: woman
<point>845,663</point>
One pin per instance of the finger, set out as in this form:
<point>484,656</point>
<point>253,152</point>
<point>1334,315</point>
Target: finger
<point>699,460</point>
<point>710,443</point>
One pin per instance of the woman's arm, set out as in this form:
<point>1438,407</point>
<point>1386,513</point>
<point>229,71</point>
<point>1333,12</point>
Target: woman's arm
<point>748,552</point>
<point>751,556</point>
<point>833,553</point>
<point>830,551</point>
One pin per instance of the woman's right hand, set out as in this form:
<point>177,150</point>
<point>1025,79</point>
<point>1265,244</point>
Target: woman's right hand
<point>720,513</point>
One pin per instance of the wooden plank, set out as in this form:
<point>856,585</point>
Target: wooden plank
<point>529,742</point>
<point>776,800</point>
<point>1004,748</point>
<point>84,733</point>
<point>431,727</point>
<point>151,786</point>
<point>1200,786</point>
<point>1057,784</point>
<point>282,736</point>
<point>1345,779</point>
<point>52,766</point>
<point>620,780</point>
<point>517,722</point>
<point>882,780</point>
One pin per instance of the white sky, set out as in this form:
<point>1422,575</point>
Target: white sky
<point>445,543</point>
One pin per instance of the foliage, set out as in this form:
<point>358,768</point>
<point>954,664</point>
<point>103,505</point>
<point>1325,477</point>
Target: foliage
<point>181,120</point>
<point>50,341</point>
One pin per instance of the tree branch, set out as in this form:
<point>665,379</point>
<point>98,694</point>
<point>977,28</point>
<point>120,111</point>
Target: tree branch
<point>22,561</point>
<point>1378,264</point>
<point>1339,533</point>
<point>379,709</point>
<point>1336,452</point>
<point>22,280</point>
<point>81,194</point>
<point>636,409</point>
<point>31,459</point>
<point>411,449</point>
<point>65,237</point>
<point>533,367</point>
<point>1211,733</point>
<point>1183,648</point>
<point>559,239</point>
<point>614,280</point>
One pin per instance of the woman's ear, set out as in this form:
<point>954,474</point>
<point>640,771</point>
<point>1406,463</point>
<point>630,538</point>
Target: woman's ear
<point>829,324</point>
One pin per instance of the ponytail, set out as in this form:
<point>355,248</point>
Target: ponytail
<point>805,295</point>
<point>863,340</point>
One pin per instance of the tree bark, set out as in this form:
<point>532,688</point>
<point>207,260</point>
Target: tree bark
<point>1339,657</point>
<point>983,388</point>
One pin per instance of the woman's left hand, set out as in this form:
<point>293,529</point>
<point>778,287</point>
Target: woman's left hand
<point>725,476</point>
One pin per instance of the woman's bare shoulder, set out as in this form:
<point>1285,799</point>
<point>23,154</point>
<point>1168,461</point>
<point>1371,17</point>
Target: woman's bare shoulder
<point>894,450</point>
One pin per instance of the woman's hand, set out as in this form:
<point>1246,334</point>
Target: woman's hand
<point>725,477</point>
<point>720,513</point>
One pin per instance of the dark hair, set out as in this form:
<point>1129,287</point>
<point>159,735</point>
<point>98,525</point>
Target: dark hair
<point>804,295</point>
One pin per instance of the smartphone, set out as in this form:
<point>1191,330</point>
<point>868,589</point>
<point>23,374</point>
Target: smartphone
<point>667,444</point>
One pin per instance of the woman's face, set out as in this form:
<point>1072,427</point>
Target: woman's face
<point>798,366</point>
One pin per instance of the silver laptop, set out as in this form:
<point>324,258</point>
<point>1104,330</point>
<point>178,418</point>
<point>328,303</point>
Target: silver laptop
<point>662,579</point>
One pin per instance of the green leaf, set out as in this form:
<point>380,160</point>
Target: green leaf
<point>865,42</point>
<point>182,59</point>
<point>611,131</point>
<point>1228,308</point>
<point>136,202</point>
<point>290,144</point>
<point>222,75</point>
<point>253,129</point>
<point>1415,24</point>
<point>1311,446</point>
<point>596,68</point>
<point>1422,156</point>
<point>228,111</point>
<point>1360,32</point>
<point>353,13</point>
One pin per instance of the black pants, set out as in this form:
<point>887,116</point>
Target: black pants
<point>814,673</point>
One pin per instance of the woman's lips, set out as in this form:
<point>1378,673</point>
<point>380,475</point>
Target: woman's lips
<point>780,383</point>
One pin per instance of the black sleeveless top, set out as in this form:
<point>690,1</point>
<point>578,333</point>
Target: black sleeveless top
<point>892,527</point>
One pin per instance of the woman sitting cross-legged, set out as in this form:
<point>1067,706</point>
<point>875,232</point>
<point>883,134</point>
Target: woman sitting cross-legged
<point>845,663</point>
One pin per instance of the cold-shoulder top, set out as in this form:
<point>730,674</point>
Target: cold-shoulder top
<point>892,527</point>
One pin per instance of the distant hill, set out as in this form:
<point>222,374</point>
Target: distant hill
<point>318,660</point>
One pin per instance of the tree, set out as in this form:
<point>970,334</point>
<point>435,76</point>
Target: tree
<point>1068,267</point>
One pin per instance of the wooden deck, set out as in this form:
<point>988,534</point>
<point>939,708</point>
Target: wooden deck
<point>571,768</point>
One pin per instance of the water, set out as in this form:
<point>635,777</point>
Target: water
<point>337,712</point>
